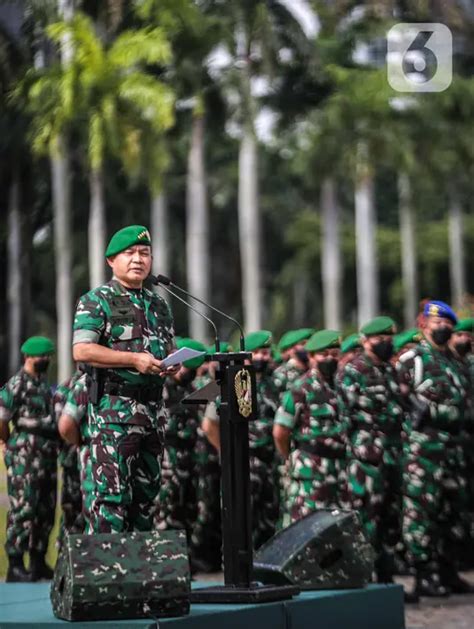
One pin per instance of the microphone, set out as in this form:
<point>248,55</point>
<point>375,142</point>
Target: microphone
<point>168,290</point>
<point>165,281</point>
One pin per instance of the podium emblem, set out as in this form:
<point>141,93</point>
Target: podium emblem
<point>243,392</point>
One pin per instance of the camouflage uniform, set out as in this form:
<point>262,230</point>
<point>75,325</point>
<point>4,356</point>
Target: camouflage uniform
<point>370,406</point>
<point>317,450</point>
<point>71,518</point>
<point>127,434</point>
<point>76,408</point>
<point>177,498</point>
<point>206,538</point>
<point>31,462</point>
<point>285,376</point>
<point>263,463</point>
<point>434,522</point>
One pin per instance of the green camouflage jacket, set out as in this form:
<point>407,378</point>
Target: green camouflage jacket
<point>371,407</point>
<point>182,424</point>
<point>27,402</point>
<point>261,430</point>
<point>309,409</point>
<point>435,378</point>
<point>126,320</point>
<point>285,376</point>
<point>76,406</point>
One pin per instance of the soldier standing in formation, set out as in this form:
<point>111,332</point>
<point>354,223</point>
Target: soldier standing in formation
<point>370,405</point>
<point>31,461</point>
<point>308,432</point>
<point>435,498</point>
<point>125,330</point>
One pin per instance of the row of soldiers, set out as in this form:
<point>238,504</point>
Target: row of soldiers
<point>339,424</point>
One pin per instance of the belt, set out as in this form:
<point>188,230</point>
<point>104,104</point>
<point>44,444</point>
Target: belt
<point>264,454</point>
<point>174,441</point>
<point>51,434</point>
<point>319,449</point>
<point>136,392</point>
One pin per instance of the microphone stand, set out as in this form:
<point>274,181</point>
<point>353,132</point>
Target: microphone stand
<point>237,408</point>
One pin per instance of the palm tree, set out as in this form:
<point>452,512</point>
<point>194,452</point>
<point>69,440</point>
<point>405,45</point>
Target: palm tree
<point>123,108</point>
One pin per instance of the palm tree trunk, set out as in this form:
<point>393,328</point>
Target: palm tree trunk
<point>14,282</point>
<point>61,195</point>
<point>197,227</point>
<point>456,250</point>
<point>96,228</point>
<point>408,250</point>
<point>249,230</point>
<point>331,255</point>
<point>366,256</point>
<point>160,234</point>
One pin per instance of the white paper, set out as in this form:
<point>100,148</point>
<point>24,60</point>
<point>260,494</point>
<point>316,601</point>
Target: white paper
<point>180,356</point>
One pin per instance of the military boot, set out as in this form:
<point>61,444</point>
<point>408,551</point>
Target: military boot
<point>450,578</point>
<point>39,569</point>
<point>429,584</point>
<point>17,573</point>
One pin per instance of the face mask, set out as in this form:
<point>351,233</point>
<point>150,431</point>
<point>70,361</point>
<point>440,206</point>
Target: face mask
<point>383,349</point>
<point>441,335</point>
<point>261,366</point>
<point>187,378</point>
<point>41,366</point>
<point>463,347</point>
<point>328,368</point>
<point>302,355</point>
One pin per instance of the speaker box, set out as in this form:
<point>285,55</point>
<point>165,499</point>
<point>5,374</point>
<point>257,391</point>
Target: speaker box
<point>325,550</point>
<point>115,576</point>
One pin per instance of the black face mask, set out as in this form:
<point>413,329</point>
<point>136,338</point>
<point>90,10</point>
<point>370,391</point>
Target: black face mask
<point>187,377</point>
<point>383,349</point>
<point>302,355</point>
<point>328,368</point>
<point>463,348</point>
<point>261,366</point>
<point>442,335</point>
<point>41,366</point>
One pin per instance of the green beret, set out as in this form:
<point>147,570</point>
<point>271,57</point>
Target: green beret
<point>407,336</point>
<point>324,339</point>
<point>37,346</point>
<point>464,325</point>
<point>258,340</point>
<point>276,354</point>
<point>292,337</point>
<point>127,237</point>
<point>379,325</point>
<point>225,348</point>
<point>350,343</point>
<point>193,363</point>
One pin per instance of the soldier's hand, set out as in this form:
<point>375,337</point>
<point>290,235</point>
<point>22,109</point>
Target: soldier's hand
<point>146,363</point>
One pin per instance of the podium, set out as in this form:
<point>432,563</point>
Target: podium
<point>238,406</point>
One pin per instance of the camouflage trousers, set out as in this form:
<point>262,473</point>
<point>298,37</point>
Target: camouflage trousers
<point>264,493</point>
<point>31,463</point>
<point>71,501</point>
<point>375,492</point>
<point>86,483</point>
<point>126,471</point>
<point>435,513</point>
<point>314,483</point>
<point>206,537</point>
<point>177,498</point>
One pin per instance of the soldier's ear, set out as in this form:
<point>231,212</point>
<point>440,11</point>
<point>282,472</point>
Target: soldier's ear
<point>110,261</point>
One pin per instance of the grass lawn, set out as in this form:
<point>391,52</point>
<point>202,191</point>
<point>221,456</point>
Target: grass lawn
<point>52,552</point>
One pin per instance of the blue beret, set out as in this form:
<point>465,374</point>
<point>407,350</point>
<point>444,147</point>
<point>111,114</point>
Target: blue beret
<point>440,309</point>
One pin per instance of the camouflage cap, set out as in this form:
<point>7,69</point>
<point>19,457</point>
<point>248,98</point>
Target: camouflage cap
<point>37,346</point>
<point>407,336</point>
<point>292,337</point>
<point>350,343</point>
<point>324,339</point>
<point>464,325</point>
<point>193,363</point>
<point>379,325</point>
<point>258,340</point>
<point>127,237</point>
